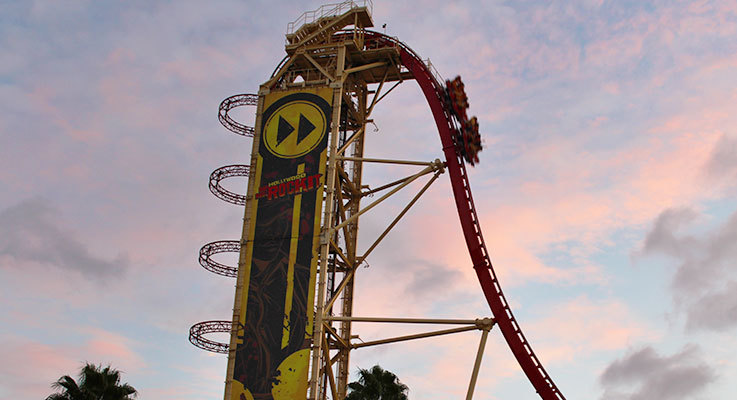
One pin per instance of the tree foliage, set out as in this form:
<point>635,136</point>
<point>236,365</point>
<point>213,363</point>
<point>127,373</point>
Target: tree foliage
<point>94,383</point>
<point>377,384</point>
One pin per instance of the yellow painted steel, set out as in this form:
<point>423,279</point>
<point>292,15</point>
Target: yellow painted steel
<point>293,377</point>
<point>292,258</point>
<point>293,371</point>
<point>315,251</point>
<point>249,246</point>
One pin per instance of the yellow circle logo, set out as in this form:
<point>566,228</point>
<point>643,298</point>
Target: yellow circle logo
<point>295,128</point>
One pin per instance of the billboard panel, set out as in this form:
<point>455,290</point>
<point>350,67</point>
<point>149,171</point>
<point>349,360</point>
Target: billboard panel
<point>282,249</point>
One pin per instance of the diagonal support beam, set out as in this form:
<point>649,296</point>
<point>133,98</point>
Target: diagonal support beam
<point>343,283</point>
<point>379,99</point>
<point>364,67</point>
<point>398,217</point>
<point>281,72</point>
<point>329,369</point>
<point>318,66</point>
<point>384,187</point>
<point>411,179</point>
<point>351,139</point>
<point>348,276</point>
<point>477,363</point>
<point>339,252</point>
<point>347,181</point>
<point>376,95</point>
<point>337,337</point>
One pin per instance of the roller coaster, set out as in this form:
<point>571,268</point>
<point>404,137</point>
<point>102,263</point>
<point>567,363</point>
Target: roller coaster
<point>331,48</point>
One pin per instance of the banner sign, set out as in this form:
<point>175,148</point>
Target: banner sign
<point>282,250</point>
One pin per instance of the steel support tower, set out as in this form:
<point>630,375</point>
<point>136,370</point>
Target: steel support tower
<point>332,48</point>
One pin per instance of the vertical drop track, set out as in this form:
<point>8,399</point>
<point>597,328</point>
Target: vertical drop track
<point>434,92</point>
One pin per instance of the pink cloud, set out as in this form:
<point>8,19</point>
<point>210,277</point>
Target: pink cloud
<point>29,367</point>
<point>581,327</point>
<point>118,349</point>
<point>456,365</point>
<point>615,50</point>
<point>568,203</point>
<point>44,99</point>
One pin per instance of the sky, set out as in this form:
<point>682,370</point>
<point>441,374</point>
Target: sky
<point>606,192</point>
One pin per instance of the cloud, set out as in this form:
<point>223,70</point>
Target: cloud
<point>662,236</point>
<point>680,376</point>
<point>110,347</point>
<point>723,161</point>
<point>705,277</point>
<point>30,232</point>
<point>588,327</point>
<point>569,199</point>
<point>715,311</point>
<point>428,278</point>
<point>30,366</point>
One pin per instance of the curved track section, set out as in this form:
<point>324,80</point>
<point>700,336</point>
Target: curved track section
<point>222,246</point>
<point>435,94</point>
<point>228,171</point>
<point>198,331</point>
<point>232,102</point>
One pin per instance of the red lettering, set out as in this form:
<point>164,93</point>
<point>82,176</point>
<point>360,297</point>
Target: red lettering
<point>273,192</point>
<point>294,186</point>
<point>314,180</point>
<point>299,185</point>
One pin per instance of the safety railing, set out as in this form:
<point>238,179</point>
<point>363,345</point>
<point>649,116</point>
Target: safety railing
<point>434,71</point>
<point>328,10</point>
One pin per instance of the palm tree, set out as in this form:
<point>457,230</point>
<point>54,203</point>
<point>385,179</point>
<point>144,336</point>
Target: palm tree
<point>70,390</point>
<point>95,383</point>
<point>377,384</point>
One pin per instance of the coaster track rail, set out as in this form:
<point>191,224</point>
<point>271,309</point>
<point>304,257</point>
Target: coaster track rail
<point>435,95</point>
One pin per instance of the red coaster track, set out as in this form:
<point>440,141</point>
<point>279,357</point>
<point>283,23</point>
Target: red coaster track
<point>434,92</point>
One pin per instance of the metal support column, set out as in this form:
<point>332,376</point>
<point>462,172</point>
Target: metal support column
<point>327,223</point>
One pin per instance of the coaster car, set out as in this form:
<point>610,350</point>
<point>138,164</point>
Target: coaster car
<point>457,95</point>
<point>468,141</point>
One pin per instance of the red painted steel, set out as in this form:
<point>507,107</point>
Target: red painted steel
<point>434,93</point>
